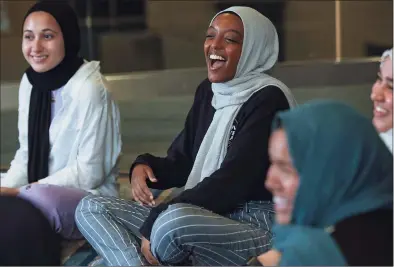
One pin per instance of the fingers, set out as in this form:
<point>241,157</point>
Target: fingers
<point>141,192</point>
<point>139,196</point>
<point>151,259</point>
<point>146,251</point>
<point>150,174</point>
<point>135,197</point>
<point>148,194</point>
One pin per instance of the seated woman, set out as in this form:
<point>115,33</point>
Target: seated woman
<point>68,124</point>
<point>332,189</point>
<point>26,237</point>
<point>382,98</point>
<point>223,217</point>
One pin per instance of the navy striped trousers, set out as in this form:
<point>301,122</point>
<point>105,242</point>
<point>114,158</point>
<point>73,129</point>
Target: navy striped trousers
<point>182,234</point>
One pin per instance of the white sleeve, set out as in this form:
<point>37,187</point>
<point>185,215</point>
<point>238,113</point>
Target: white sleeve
<point>17,173</point>
<point>99,144</point>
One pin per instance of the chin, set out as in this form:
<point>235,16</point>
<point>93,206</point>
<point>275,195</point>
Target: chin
<point>214,80</point>
<point>381,126</point>
<point>282,219</point>
<point>40,68</point>
<point>217,78</point>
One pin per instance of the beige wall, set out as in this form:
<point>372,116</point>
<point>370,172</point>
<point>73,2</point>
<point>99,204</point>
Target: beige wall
<point>12,63</point>
<point>309,30</point>
<point>182,26</point>
<point>363,22</point>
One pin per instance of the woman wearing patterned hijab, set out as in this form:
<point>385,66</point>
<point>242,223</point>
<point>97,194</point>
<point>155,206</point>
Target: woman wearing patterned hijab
<point>333,189</point>
<point>223,217</point>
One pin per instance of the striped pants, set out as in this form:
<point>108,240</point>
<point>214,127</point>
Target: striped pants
<point>182,234</point>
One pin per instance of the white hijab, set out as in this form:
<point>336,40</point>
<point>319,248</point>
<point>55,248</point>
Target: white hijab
<point>388,135</point>
<point>259,54</point>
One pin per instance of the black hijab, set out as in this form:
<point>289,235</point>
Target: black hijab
<point>45,82</point>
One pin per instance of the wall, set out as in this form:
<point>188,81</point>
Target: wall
<point>12,62</point>
<point>182,26</point>
<point>309,30</point>
<point>366,22</point>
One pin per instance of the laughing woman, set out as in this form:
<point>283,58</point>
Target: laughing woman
<point>223,217</point>
<point>333,203</point>
<point>382,98</point>
<point>68,124</point>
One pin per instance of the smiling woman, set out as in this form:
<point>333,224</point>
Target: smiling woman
<point>69,139</point>
<point>224,216</point>
<point>43,44</point>
<point>333,190</point>
<point>223,47</point>
<point>382,98</point>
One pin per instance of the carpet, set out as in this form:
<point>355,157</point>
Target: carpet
<point>77,253</point>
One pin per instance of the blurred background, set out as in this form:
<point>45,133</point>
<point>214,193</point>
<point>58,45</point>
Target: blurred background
<point>152,53</point>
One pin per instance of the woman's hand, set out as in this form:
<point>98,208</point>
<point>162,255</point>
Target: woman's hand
<point>270,258</point>
<point>139,188</point>
<point>8,191</point>
<point>145,249</point>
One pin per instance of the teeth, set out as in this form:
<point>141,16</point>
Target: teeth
<point>281,201</point>
<point>380,109</point>
<point>39,57</point>
<point>216,57</point>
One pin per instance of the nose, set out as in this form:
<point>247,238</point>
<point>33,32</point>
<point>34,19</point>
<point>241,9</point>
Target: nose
<point>272,182</point>
<point>217,43</point>
<point>36,45</point>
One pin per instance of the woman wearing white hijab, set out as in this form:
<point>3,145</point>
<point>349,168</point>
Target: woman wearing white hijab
<point>382,98</point>
<point>221,157</point>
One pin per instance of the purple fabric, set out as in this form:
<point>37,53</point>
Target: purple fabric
<point>58,204</point>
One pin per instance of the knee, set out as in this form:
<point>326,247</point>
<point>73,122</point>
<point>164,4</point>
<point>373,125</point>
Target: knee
<point>170,226</point>
<point>41,196</point>
<point>51,198</point>
<point>91,204</point>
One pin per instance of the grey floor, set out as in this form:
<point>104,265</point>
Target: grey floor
<point>150,124</point>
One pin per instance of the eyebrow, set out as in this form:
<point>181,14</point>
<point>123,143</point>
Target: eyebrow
<point>44,30</point>
<point>47,29</point>
<point>230,30</point>
<point>386,78</point>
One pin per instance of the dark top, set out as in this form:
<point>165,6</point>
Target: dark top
<point>242,173</point>
<point>366,239</point>
<point>26,236</point>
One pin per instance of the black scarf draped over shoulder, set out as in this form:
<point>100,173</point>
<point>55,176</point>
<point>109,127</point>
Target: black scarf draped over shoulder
<point>45,82</point>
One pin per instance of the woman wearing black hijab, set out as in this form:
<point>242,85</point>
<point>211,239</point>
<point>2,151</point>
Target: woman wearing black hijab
<point>68,124</point>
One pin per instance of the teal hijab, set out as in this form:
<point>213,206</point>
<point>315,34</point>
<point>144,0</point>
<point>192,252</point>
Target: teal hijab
<point>345,169</point>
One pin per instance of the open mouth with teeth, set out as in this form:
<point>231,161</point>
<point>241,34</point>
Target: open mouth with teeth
<point>39,59</point>
<point>380,111</point>
<point>216,61</point>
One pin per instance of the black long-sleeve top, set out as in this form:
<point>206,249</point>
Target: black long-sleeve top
<point>366,239</point>
<point>241,175</point>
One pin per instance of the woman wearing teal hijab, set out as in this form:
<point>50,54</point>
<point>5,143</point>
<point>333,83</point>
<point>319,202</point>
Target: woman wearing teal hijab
<point>333,189</point>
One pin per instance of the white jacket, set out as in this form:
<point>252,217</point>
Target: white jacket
<point>85,140</point>
<point>388,139</point>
